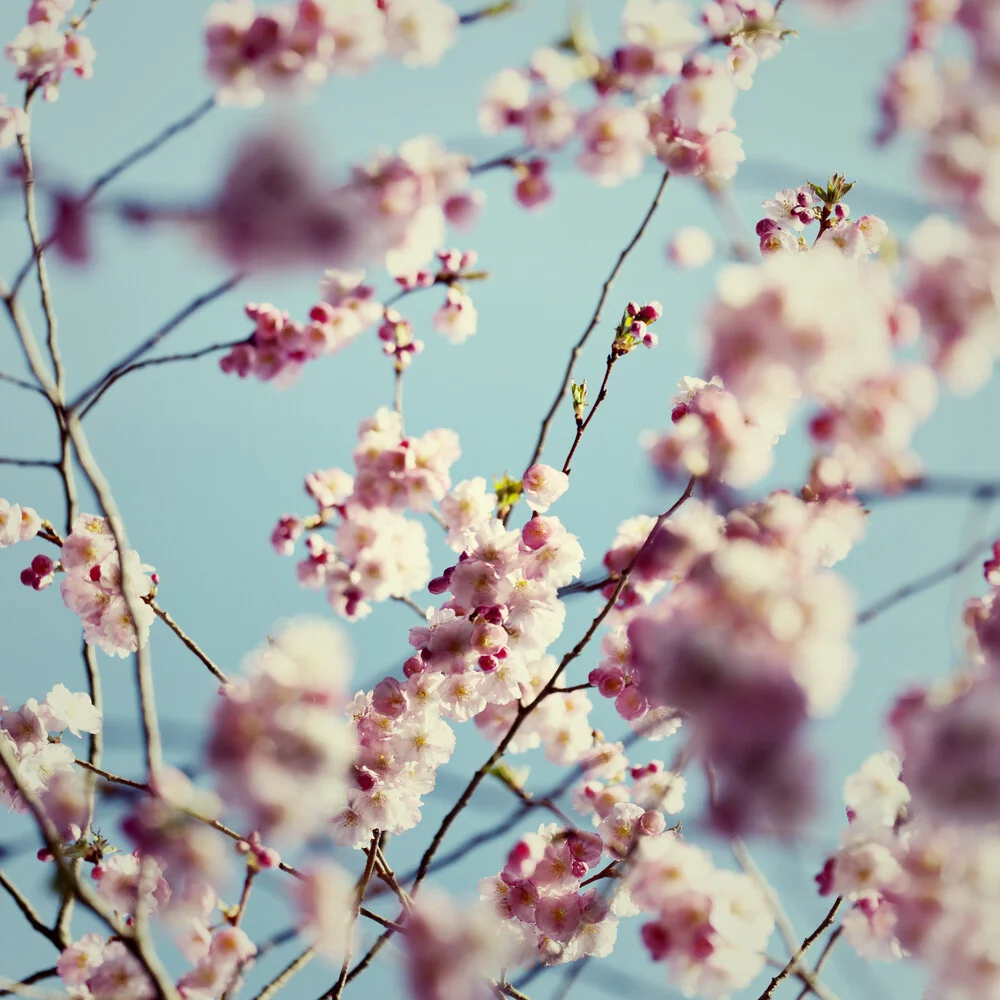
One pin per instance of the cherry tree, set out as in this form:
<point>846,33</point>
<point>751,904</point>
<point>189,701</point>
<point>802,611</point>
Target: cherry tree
<point>671,677</point>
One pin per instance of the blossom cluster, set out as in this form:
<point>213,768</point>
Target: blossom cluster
<point>756,619</point>
<point>710,926</point>
<point>44,51</point>
<point>275,209</point>
<point>823,322</point>
<point>92,587</point>
<point>453,952</point>
<point>688,128</point>
<point>94,966</point>
<point>278,744</point>
<point>45,765</point>
<point>295,47</point>
<point>541,889</point>
<point>377,553</point>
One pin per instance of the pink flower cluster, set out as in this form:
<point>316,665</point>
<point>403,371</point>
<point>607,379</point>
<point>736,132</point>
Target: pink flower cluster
<point>792,210</point>
<point>44,763</point>
<point>378,553</point>
<point>921,884</point>
<point>279,347</point>
<point>43,51</point>
<point>278,744</point>
<point>297,46</point>
<point>540,889</point>
<point>712,438</point>
<point>621,812</point>
<point>479,656</point>
<point>865,439</point>
<point>710,926</point>
<point>275,209</point>
<point>453,952</point>
<point>161,826</point>
<point>748,645</point>
<point>92,588</point>
<point>691,127</point>
<point>982,617</point>
<point>94,967</point>
<point>402,741</point>
<point>951,286</point>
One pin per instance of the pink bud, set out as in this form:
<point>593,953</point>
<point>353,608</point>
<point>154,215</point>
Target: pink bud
<point>651,312</point>
<point>28,577</point>
<point>414,665</point>
<point>488,664</point>
<point>42,565</point>
<point>536,532</point>
<point>652,823</point>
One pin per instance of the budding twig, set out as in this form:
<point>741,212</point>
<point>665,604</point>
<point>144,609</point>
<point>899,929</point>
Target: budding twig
<point>594,320</point>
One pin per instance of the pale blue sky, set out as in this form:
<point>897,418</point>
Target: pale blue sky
<point>203,464</point>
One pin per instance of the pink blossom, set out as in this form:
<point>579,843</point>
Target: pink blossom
<point>419,32</point>
<point>691,247</point>
<point>615,141</point>
<point>325,899</point>
<point>542,486</point>
<point>450,953</point>
<point>457,318</point>
<point>278,746</point>
<point>73,711</point>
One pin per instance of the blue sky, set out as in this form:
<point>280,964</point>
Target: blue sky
<point>202,464</point>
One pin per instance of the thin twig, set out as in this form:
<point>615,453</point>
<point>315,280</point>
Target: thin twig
<point>30,463</point>
<point>925,582</point>
<point>784,923</point>
<point>38,255</point>
<point>282,978</point>
<point>98,386</point>
<point>359,895</point>
<point>30,913</point>
<point>165,360</point>
<point>594,320</point>
<point>526,710</point>
<point>147,149</point>
<point>581,424</point>
<point>821,961</point>
<point>20,383</point>
<point>167,620</point>
<point>412,605</point>
<point>16,989</point>
<point>804,947</point>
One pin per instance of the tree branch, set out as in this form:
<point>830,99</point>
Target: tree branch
<point>594,320</point>
<point>805,946</point>
<point>99,386</point>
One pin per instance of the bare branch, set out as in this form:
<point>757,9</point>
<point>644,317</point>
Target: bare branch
<point>282,979</point>
<point>30,913</point>
<point>100,385</point>
<point>167,620</point>
<point>594,320</point>
<point>113,172</point>
<point>151,362</point>
<point>805,946</point>
<point>928,580</point>
<point>17,989</point>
